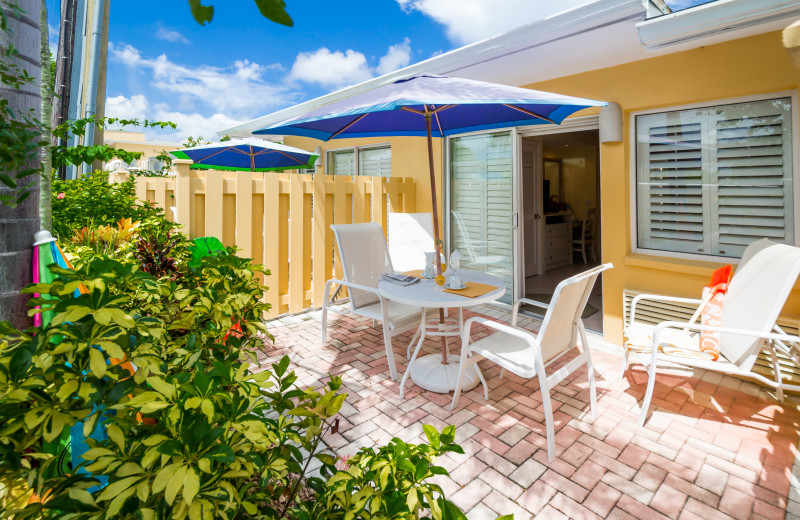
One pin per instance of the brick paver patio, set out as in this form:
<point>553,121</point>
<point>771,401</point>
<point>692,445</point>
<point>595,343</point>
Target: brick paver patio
<point>714,447</point>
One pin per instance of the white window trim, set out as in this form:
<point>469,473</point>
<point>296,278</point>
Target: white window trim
<point>355,150</point>
<point>793,94</point>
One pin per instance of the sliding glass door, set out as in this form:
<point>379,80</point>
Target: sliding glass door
<point>482,208</point>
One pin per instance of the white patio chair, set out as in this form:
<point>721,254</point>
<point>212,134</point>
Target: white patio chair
<point>365,257</point>
<point>526,354</point>
<point>757,292</point>
<point>410,236</point>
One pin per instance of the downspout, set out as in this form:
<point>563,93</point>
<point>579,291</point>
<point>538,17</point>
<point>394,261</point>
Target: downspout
<point>95,50</point>
<point>76,74</point>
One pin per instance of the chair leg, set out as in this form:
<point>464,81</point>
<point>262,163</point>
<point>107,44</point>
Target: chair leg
<point>325,299</point>
<point>778,376</point>
<point>548,420</point>
<point>589,370</point>
<point>625,356</point>
<point>583,252</point>
<point>387,340</point>
<point>462,370</point>
<point>651,384</point>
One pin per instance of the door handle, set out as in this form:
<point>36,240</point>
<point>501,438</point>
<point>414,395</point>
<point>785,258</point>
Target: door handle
<point>537,216</point>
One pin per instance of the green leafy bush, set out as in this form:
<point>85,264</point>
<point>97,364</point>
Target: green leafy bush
<point>193,433</point>
<point>91,201</point>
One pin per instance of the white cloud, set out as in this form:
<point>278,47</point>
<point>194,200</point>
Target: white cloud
<point>134,107</point>
<point>331,69</point>
<point>467,21</point>
<point>239,90</point>
<point>170,35</point>
<point>193,123</point>
<point>397,57</point>
<point>338,69</point>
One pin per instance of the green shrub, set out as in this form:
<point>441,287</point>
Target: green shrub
<point>193,433</point>
<point>91,201</point>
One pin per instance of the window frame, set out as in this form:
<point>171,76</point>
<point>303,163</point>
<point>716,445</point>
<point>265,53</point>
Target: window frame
<point>633,171</point>
<point>355,149</point>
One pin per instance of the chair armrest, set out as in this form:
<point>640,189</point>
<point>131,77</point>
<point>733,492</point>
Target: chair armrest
<point>727,330</point>
<point>515,310</point>
<point>500,327</point>
<point>352,285</point>
<point>658,297</point>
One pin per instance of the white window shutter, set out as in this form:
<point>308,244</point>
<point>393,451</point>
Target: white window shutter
<point>712,180</point>
<point>670,181</point>
<point>754,175</point>
<point>375,161</point>
<point>481,202</point>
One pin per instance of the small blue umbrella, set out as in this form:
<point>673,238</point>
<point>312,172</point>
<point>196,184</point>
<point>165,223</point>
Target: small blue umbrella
<point>255,155</point>
<point>432,106</point>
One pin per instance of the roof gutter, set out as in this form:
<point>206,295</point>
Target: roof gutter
<point>712,19</point>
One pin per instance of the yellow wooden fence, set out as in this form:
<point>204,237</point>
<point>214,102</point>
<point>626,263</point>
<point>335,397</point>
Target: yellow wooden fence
<point>281,220</point>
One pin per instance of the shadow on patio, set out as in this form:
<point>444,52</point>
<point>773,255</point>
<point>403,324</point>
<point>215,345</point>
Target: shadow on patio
<point>714,446</point>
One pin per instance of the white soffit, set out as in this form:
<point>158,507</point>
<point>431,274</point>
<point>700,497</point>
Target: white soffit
<point>716,22</point>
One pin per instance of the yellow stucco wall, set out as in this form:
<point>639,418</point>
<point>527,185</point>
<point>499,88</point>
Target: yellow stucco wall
<point>409,159</point>
<point>750,66</point>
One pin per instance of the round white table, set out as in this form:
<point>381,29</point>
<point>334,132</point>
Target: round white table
<point>429,372</point>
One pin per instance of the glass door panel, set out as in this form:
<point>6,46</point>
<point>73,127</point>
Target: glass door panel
<point>481,204</point>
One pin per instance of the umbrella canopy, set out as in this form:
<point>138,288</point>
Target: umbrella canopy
<point>457,106</point>
<point>254,155</point>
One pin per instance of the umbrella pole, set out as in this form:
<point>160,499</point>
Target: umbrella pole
<point>436,236</point>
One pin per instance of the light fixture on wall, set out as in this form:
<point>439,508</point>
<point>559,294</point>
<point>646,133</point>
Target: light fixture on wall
<point>791,40</point>
<point>318,153</point>
<point>611,123</point>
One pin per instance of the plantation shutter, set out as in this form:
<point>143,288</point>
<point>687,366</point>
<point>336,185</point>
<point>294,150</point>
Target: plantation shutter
<point>375,161</point>
<point>753,165</point>
<point>342,162</point>
<point>481,203</point>
<point>712,180</point>
<point>670,179</point>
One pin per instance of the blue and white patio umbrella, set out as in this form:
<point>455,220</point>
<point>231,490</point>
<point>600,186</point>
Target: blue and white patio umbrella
<point>256,155</point>
<point>432,106</point>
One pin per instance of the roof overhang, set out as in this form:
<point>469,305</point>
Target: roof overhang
<point>716,22</point>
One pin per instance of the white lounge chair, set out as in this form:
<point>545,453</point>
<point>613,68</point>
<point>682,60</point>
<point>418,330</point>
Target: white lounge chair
<point>757,292</point>
<point>527,354</point>
<point>410,237</point>
<point>365,257</point>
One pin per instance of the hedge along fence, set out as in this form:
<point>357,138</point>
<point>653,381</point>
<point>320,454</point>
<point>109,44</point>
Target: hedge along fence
<point>281,220</point>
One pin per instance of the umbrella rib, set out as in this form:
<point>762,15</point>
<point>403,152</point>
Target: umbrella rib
<point>413,110</point>
<point>351,123</point>
<point>298,161</point>
<point>215,153</point>
<point>534,114</point>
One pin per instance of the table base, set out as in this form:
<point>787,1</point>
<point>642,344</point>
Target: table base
<point>429,373</point>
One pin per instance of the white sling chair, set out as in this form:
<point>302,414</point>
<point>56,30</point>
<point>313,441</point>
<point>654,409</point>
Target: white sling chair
<point>526,354</point>
<point>365,257</point>
<point>757,292</point>
<point>410,237</point>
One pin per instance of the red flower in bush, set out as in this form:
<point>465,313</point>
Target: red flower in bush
<point>61,195</point>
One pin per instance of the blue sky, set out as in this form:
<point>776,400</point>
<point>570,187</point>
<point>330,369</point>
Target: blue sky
<point>163,65</point>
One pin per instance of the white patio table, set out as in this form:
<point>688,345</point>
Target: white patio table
<point>428,372</point>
